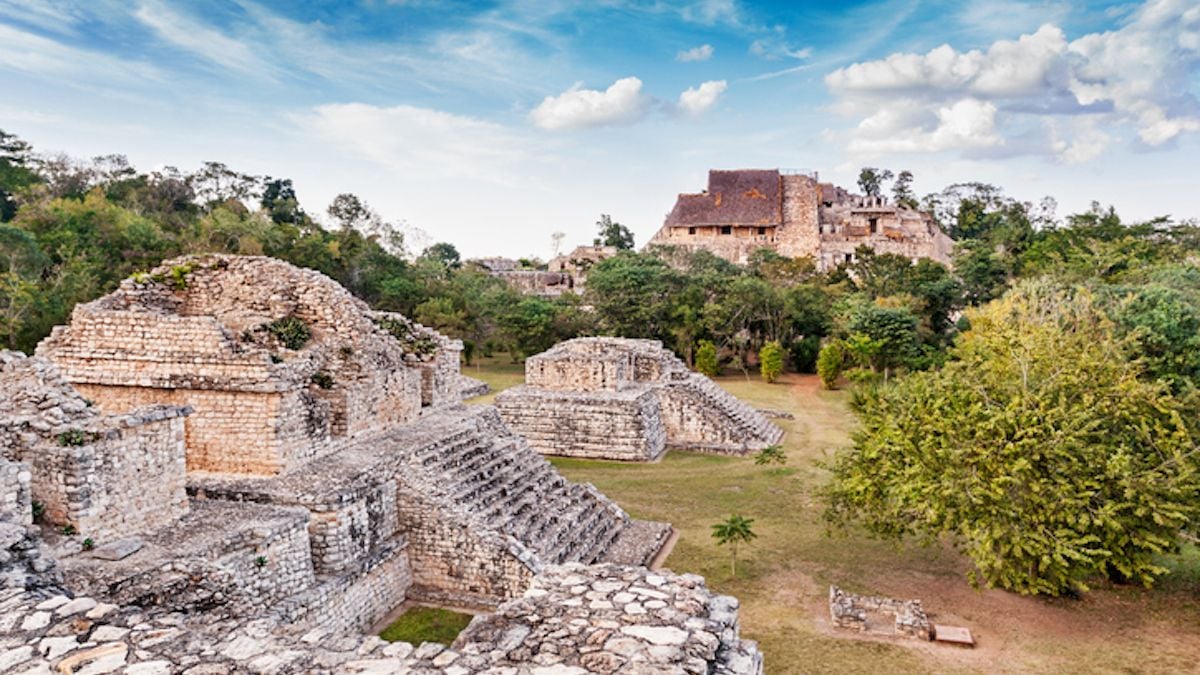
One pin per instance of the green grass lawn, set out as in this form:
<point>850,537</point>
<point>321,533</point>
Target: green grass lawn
<point>784,576</point>
<point>426,624</point>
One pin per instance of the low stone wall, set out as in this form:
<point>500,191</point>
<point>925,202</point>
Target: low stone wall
<point>355,599</point>
<point>15,495</point>
<point>117,479</point>
<point>624,425</point>
<point>354,527</point>
<point>905,618</point>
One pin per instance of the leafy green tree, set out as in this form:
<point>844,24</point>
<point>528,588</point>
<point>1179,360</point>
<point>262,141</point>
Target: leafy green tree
<point>770,361</point>
<point>871,179</point>
<point>1038,447</point>
<point>444,253</point>
<point>882,338</point>
<point>706,359</point>
<point>734,530</point>
<point>613,233</point>
<point>830,362</point>
<point>16,173</point>
<point>633,295</point>
<point>902,190</point>
<point>803,353</point>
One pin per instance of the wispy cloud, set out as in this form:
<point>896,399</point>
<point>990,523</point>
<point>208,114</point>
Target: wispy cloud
<point>26,52</point>
<point>194,36</point>
<point>702,53</point>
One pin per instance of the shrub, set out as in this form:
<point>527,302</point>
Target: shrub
<point>260,561</point>
<point>770,361</point>
<point>291,331</point>
<point>69,530</point>
<point>322,379</point>
<point>706,359</point>
<point>772,454</point>
<point>829,364</point>
<point>88,544</point>
<point>39,510</point>
<point>804,354</point>
<point>74,438</point>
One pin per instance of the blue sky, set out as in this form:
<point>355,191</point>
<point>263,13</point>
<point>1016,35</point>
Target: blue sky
<point>494,125</point>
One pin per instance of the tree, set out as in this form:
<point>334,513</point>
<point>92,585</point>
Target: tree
<point>882,338</point>
<point>902,190</point>
<point>829,364</point>
<point>633,295</point>
<point>444,253</point>
<point>706,359</point>
<point>1038,447</point>
<point>279,200</point>
<point>613,233</point>
<point>734,530</point>
<point>870,180</point>
<point>556,240</point>
<point>770,361</point>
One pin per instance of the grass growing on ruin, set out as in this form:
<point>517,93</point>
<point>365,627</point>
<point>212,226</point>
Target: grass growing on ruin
<point>426,624</point>
<point>784,575</point>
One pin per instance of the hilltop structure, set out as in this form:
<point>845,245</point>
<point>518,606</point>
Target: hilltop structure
<point>242,442</point>
<point>617,398</point>
<point>794,214</point>
<point>566,273</point>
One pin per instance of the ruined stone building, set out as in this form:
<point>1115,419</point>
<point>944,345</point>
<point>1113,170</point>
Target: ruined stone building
<point>242,448</point>
<point>566,273</point>
<point>794,214</point>
<point>616,398</point>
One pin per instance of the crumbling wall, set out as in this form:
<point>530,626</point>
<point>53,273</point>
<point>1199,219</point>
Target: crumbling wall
<point>101,474</point>
<point>867,613</point>
<point>799,234</point>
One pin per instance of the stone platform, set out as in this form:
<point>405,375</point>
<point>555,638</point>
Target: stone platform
<point>615,398</point>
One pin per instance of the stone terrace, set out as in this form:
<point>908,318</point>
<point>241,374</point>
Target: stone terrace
<point>616,398</point>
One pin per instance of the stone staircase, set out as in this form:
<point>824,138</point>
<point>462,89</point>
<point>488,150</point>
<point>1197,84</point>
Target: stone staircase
<point>488,474</point>
<point>726,411</point>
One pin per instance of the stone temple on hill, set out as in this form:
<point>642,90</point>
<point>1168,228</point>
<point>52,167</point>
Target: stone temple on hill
<point>250,469</point>
<point>615,398</point>
<point>794,214</point>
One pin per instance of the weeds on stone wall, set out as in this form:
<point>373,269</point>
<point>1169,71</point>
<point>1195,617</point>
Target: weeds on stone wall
<point>291,331</point>
<point>73,438</point>
<point>322,379</point>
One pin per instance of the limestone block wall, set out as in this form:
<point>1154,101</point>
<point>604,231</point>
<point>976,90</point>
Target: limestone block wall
<point>351,530</point>
<point>700,416</point>
<point>120,347</point>
<point>352,602</point>
<point>15,495</point>
<point>458,561</point>
<point>569,372</point>
<point>799,234</point>
<point>235,431</point>
<point>116,481</point>
<point>623,425</point>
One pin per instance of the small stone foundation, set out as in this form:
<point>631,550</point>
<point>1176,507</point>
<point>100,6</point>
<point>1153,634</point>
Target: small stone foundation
<point>880,616</point>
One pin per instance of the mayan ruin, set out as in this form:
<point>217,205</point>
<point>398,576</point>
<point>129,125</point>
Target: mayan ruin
<point>795,215</point>
<point>245,469</point>
<point>617,398</point>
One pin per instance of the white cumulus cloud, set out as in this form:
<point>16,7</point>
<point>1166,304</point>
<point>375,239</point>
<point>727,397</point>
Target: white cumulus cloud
<point>578,108</point>
<point>696,100</point>
<point>702,53</point>
<point>1136,80</point>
